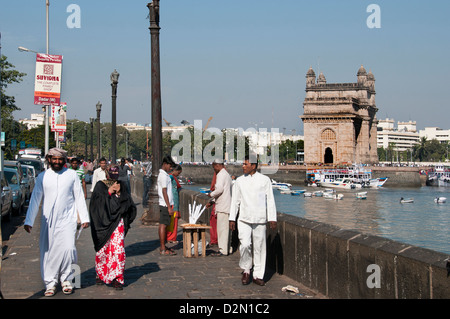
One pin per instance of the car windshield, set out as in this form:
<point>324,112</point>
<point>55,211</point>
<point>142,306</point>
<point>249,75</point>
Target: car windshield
<point>37,164</point>
<point>11,177</point>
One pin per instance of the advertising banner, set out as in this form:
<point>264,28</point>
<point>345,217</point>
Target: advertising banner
<point>47,85</point>
<point>58,117</point>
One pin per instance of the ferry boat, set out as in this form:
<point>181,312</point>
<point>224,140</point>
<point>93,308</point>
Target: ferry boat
<point>439,176</point>
<point>350,177</point>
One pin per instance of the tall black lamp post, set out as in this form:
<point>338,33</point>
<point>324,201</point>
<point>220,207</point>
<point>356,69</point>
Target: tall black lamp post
<point>92,138</point>
<point>85,143</point>
<point>99,148</point>
<point>152,214</point>
<point>114,82</point>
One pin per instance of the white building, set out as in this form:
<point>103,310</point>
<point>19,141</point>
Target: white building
<point>435,133</point>
<point>36,120</point>
<point>403,138</point>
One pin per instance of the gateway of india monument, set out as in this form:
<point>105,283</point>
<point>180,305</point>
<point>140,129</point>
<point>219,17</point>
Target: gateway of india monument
<point>340,124</point>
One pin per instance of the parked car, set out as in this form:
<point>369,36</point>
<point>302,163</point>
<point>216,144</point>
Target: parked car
<point>35,162</point>
<point>29,178</point>
<point>15,165</point>
<point>18,188</point>
<point>7,199</point>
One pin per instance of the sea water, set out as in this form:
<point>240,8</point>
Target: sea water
<point>422,223</point>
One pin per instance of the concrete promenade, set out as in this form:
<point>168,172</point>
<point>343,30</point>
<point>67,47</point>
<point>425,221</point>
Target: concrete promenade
<point>148,275</point>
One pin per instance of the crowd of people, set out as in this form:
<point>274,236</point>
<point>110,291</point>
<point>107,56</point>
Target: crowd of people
<point>246,203</point>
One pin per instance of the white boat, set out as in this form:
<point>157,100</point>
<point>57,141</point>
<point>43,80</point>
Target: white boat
<point>285,191</point>
<point>439,176</point>
<point>277,185</point>
<point>341,183</point>
<point>440,200</point>
<point>338,196</point>
<point>328,195</point>
<point>361,195</point>
<point>406,200</point>
<point>318,193</point>
<point>297,192</point>
<point>307,194</point>
<point>360,176</point>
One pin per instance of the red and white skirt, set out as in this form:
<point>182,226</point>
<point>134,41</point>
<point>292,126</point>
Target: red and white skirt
<point>110,260</point>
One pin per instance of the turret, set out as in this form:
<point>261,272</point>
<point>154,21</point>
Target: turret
<point>362,75</point>
<point>321,79</point>
<point>310,77</point>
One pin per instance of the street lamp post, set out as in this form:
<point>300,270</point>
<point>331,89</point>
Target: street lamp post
<point>114,82</point>
<point>99,148</point>
<point>151,215</point>
<point>85,143</point>
<point>92,138</point>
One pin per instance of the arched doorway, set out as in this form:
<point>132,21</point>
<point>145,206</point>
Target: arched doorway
<point>328,157</point>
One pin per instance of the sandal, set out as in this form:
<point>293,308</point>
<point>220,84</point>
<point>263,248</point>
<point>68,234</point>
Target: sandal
<point>167,252</point>
<point>50,292</point>
<point>67,288</point>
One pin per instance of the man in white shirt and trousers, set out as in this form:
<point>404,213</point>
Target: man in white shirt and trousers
<point>99,173</point>
<point>253,198</point>
<point>222,198</point>
<point>165,196</point>
<point>62,196</point>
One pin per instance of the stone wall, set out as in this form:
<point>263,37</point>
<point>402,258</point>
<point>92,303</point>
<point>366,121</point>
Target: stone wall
<point>346,264</point>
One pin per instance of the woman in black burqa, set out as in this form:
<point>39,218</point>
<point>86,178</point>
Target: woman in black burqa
<point>111,210</point>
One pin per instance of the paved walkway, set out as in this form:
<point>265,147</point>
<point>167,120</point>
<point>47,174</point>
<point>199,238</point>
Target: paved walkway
<point>148,275</point>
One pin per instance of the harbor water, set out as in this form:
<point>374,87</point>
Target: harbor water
<point>422,223</point>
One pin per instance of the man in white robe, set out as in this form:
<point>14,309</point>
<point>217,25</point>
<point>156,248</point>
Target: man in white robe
<point>253,198</point>
<point>59,189</point>
<point>222,198</point>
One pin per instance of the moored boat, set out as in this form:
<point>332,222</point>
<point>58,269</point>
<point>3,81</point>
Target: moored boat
<point>440,200</point>
<point>438,176</point>
<point>361,195</point>
<point>406,200</point>
<point>357,176</point>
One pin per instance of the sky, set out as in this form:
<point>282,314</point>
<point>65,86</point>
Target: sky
<point>241,62</point>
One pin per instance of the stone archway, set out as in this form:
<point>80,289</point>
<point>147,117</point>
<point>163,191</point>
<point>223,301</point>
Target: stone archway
<point>328,156</point>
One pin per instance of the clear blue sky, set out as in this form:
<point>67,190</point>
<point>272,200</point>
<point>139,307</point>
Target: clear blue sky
<point>239,61</point>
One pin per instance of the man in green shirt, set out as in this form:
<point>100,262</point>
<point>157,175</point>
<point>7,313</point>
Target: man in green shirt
<point>75,165</point>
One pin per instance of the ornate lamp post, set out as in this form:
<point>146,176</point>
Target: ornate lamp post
<point>85,143</point>
<point>92,138</point>
<point>152,214</point>
<point>114,82</point>
<point>99,148</point>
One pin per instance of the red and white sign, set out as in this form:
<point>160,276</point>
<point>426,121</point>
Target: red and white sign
<point>47,84</point>
<point>58,117</point>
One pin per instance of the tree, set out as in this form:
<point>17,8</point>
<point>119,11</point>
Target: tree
<point>12,128</point>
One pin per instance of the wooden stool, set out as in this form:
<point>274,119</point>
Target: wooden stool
<point>191,230</point>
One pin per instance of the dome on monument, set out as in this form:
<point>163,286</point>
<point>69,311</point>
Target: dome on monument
<point>310,72</point>
<point>362,71</point>
<point>370,76</point>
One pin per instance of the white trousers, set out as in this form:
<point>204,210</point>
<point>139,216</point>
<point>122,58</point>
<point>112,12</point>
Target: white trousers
<point>223,229</point>
<point>257,233</point>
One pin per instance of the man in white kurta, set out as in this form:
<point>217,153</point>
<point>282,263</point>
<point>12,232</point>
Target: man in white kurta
<point>253,198</point>
<point>222,197</point>
<point>59,189</point>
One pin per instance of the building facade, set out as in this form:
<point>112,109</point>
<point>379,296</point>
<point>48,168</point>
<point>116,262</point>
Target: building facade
<point>402,138</point>
<point>340,124</point>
